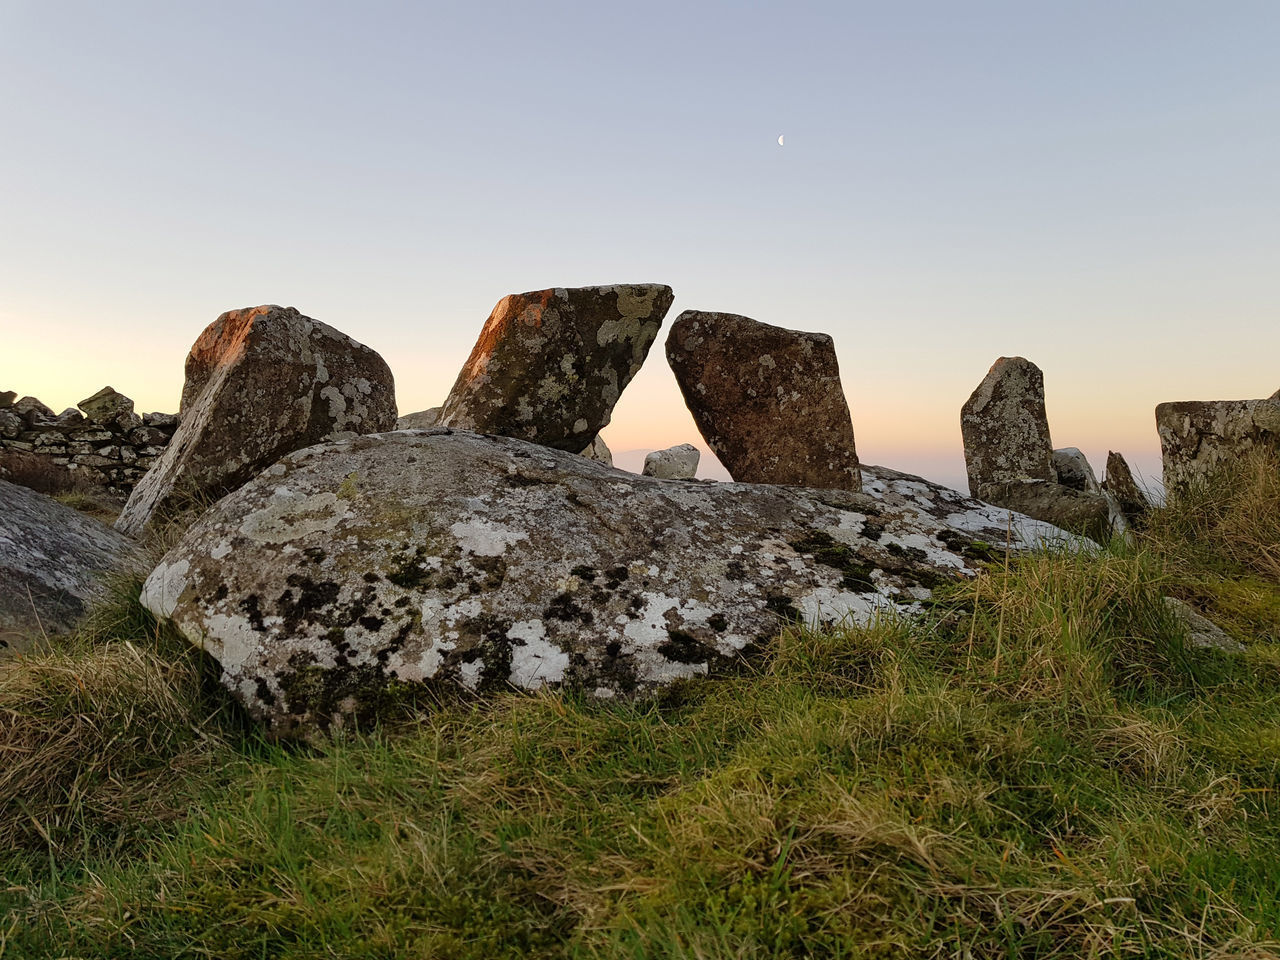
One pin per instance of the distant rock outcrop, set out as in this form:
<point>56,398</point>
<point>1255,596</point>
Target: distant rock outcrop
<point>767,400</point>
<point>550,365</point>
<point>675,463</point>
<point>50,559</point>
<point>1198,438</point>
<point>422,420</point>
<point>261,382</point>
<point>349,569</point>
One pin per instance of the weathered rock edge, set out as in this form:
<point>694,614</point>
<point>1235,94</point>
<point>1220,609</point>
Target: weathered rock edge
<point>350,568</point>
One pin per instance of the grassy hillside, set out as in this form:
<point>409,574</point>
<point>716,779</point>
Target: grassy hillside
<point>1042,767</point>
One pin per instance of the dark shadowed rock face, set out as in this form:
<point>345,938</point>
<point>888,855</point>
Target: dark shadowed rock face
<point>1199,437</point>
<point>50,557</point>
<point>1072,469</point>
<point>261,382</point>
<point>767,400</point>
<point>441,556</point>
<point>550,365</point>
<point>1005,430</point>
<point>1119,482</point>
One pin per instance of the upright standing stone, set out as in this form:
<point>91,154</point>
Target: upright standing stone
<point>260,383</point>
<point>550,365</point>
<point>767,400</point>
<point>1005,430</point>
<point>1119,482</point>
<point>1200,438</point>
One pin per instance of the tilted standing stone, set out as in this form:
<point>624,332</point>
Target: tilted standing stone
<point>260,383</point>
<point>1199,438</point>
<point>550,365</point>
<point>767,400</point>
<point>1119,482</point>
<point>1005,430</point>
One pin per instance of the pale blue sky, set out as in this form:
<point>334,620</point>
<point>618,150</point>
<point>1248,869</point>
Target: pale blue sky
<point>1095,186</point>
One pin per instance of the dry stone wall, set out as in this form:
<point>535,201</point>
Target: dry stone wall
<point>103,441</point>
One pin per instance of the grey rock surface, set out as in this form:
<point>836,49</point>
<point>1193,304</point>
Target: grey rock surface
<point>32,410</point>
<point>260,382</point>
<point>107,406</point>
<point>767,400</point>
<point>549,365</point>
<point>675,463</point>
<point>1072,469</point>
<point>1201,631</point>
<point>50,558</point>
<point>444,556</point>
<point>422,420</point>
<point>6,398</point>
<point>1004,426</point>
<point>1093,515</point>
<point>1199,438</point>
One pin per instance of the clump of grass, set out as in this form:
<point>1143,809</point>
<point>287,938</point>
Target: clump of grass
<point>98,729</point>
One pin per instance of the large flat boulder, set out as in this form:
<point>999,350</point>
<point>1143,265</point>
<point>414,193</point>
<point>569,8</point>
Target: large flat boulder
<point>260,382</point>
<point>351,568</point>
<point>549,365</point>
<point>1005,429</point>
<point>50,560</point>
<point>1199,438</point>
<point>767,400</point>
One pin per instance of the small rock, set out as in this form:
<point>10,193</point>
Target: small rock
<point>1073,470</point>
<point>422,420</point>
<point>107,406</point>
<point>550,365</point>
<point>675,463</point>
<point>161,421</point>
<point>32,411</point>
<point>1119,482</point>
<point>260,382</point>
<point>70,417</point>
<point>598,451</point>
<point>1201,631</point>
<point>6,399</point>
<point>1005,430</point>
<point>767,400</point>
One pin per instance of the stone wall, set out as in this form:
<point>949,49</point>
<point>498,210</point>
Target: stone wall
<point>103,441</point>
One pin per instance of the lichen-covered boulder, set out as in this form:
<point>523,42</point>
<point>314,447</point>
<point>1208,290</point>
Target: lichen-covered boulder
<point>767,400</point>
<point>260,382</point>
<point>1119,482</point>
<point>550,365</point>
<point>50,558</point>
<point>1072,469</point>
<point>1005,429</point>
<point>674,463</point>
<point>350,568</point>
<point>1198,438</point>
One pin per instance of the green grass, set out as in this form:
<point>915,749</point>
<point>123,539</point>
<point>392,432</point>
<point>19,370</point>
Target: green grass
<point>1040,768</point>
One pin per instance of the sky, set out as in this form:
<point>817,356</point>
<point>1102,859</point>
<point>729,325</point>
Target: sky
<point>1092,185</point>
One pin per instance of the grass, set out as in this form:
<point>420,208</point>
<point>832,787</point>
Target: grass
<point>1040,768</point>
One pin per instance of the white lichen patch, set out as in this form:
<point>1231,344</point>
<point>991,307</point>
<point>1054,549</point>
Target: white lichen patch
<point>828,605</point>
<point>534,660</point>
<point>289,515</point>
<point>484,538</point>
<point>162,589</point>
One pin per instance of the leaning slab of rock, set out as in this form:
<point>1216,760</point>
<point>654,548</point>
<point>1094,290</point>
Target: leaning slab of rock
<point>1201,438</point>
<point>767,400</point>
<point>349,569</point>
<point>1072,469</point>
<point>598,451</point>
<point>550,365</point>
<point>260,382</point>
<point>50,558</point>
<point>675,463</point>
<point>422,420</point>
<point>1119,482</point>
<point>1005,430</point>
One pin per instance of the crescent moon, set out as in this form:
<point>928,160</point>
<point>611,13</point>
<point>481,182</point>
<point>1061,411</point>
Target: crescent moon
<point>780,143</point>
